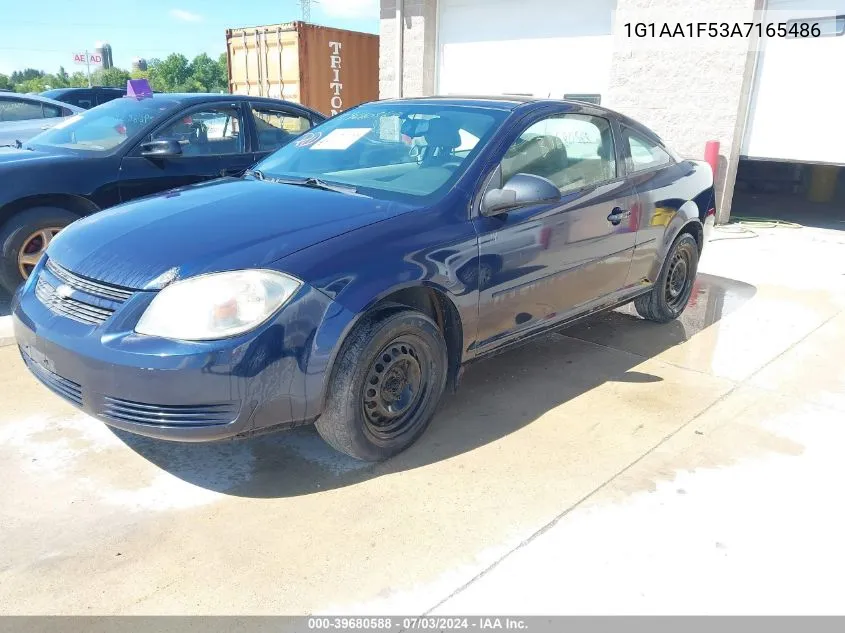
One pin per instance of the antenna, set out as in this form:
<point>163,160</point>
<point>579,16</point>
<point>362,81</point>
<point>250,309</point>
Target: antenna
<point>305,7</point>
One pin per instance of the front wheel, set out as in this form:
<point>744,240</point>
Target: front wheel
<point>24,239</point>
<point>672,290</point>
<point>386,386</point>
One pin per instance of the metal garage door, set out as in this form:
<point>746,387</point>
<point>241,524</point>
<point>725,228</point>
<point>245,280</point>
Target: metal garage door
<point>536,47</point>
<point>799,94</point>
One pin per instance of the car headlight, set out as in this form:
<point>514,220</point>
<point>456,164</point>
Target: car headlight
<point>217,305</point>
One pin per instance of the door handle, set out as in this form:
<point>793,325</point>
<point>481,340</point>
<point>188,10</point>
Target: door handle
<point>617,215</point>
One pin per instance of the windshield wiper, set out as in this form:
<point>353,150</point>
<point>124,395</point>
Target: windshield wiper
<point>17,145</point>
<point>314,183</point>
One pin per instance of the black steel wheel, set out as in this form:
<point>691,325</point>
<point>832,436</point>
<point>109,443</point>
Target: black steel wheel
<point>672,290</point>
<point>384,390</point>
<point>396,383</point>
<point>678,280</point>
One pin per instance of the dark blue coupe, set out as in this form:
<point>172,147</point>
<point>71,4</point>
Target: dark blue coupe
<point>347,278</point>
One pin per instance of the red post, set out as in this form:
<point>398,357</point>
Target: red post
<point>711,155</point>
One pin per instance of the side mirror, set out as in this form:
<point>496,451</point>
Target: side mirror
<point>520,190</point>
<point>161,149</point>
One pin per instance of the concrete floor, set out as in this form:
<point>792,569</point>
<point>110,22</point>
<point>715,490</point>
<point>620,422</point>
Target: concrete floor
<point>620,466</point>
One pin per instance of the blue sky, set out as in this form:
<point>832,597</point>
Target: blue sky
<point>45,34</point>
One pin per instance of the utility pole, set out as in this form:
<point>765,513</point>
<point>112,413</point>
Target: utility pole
<point>88,66</point>
<point>305,6</point>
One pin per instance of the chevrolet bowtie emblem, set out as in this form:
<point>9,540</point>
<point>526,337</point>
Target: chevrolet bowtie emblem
<point>64,291</point>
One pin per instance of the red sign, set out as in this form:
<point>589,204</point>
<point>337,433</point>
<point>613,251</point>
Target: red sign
<point>87,58</point>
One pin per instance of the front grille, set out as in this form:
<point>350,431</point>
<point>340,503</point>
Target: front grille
<point>68,307</point>
<point>62,386</point>
<point>170,415</point>
<point>89,286</point>
<point>81,299</point>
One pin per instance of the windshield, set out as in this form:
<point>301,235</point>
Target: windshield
<point>106,127</point>
<point>395,150</point>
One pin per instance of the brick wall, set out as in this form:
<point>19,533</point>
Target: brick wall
<point>689,95</point>
<point>420,43</point>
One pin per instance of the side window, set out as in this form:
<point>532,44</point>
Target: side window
<point>20,110</point>
<point>104,96</point>
<point>275,128</point>
<point>643,153</point>
<point>571,150</point>
<point>211,131</point>
<point>83,99</point>
<point>51,111</point>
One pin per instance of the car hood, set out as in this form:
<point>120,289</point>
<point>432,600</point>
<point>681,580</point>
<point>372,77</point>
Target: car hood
<point>11,157</point>
<point>222,225</point>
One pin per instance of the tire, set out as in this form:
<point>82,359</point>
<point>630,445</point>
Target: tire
<point>671,291</point>
<point>21,230</point>
<point>377,407</point>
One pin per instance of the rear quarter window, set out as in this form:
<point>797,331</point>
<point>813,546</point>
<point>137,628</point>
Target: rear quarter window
<point>643,153</point>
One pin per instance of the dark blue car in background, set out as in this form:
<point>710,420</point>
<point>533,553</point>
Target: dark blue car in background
<point>347,278</point>
<point>125,149</point>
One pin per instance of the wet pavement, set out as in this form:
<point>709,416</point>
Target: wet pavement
<point>624,465</point>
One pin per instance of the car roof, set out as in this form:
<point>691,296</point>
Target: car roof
<point>201,97</point>
<point>512,102</point>
<point>66,91</point>
<point>39,98</point>
<point>213,96</point>
<point>499,102</point>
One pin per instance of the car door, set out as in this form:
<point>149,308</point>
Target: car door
<point>545,262</point>
<point>653,172</point>
<point>212,139</point>
<point>275,126</point>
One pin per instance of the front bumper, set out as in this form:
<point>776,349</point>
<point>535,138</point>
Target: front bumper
<point>168,389</point>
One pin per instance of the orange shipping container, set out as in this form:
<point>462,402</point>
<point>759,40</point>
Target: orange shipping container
<point>326,69</point>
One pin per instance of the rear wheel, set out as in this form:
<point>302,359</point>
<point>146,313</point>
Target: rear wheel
<point>24,239</point>
<point>672,290</point>
<point>386,386</point>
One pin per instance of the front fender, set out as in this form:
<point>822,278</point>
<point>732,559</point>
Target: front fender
<point>685,218</point>
<point>338,324</point>
<point>360,268</point>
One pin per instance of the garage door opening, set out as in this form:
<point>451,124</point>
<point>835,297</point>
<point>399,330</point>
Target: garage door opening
<point>806,194</point>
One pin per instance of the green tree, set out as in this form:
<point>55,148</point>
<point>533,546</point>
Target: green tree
<point>78,80</point>
<point>206,74</point>
<point>37,84</point>
<point>116,77</point>
<point>20,76</point>
<point>174,73</point>
<point>170,73</point>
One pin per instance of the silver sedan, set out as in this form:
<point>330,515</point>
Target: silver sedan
<point>24,116</point>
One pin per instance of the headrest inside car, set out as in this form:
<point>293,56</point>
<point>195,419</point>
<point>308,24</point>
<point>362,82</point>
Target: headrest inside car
<point>442,133</point>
